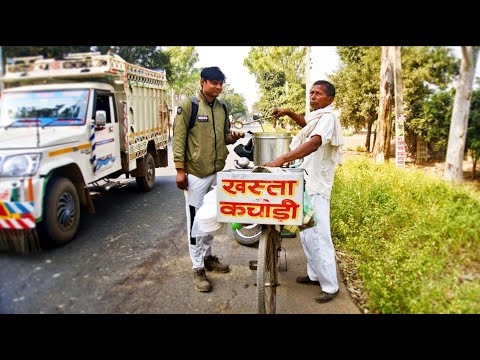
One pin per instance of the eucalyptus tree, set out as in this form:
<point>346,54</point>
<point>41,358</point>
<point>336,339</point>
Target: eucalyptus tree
<point>384,123</point>
<point>426,72</point>
<point>461,109</point>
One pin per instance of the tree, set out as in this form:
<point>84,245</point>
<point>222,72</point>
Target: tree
<point>357,83</point>
<point>461,109</point>
<point>278,69</point>
<point>236,103</point>
<point>182,74</point>
<point>386,98</point>
<point>426,71</point>
<point>433,122</point>
<point>473,132</point>
<point>45,51</point>
<point>151,57</point>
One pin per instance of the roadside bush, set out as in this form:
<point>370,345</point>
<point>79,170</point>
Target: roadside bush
<point>414,239</point>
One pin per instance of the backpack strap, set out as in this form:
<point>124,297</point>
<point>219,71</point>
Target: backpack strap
<point>224,109</point>
<point>194,113</point>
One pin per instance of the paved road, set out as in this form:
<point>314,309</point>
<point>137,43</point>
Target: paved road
<point>131,257</point>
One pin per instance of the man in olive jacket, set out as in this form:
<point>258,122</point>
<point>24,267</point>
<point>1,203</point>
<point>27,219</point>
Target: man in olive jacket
<point>199,153</point>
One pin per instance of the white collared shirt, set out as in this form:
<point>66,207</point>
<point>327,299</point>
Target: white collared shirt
<point>320,165</point>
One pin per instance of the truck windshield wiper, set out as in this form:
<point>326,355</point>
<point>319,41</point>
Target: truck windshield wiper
<point>21,121</point>
<point>48,123</point>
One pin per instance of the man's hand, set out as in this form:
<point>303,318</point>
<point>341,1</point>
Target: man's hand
<point>276,163</point>
<point>278,112</point>
<point>182,179</point>
<point>234,136</point>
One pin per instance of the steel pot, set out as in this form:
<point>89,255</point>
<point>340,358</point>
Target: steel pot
<point>270,145</point>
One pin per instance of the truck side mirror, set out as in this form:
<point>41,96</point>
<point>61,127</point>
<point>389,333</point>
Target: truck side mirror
<point>100,118</point>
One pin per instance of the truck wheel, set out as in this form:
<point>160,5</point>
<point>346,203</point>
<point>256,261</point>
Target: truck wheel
<point>147,182</point>
<point>248,235</point>
<point>61,212</point>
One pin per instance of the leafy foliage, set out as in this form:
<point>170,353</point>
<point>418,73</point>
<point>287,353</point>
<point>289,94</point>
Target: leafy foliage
<point>151,57</point>
<point>433,124</point>
<point>46,51</point>
<point>236,103</point>
<point>278,70</point>
<point>473,132</point>
<point>184,79</point>
<point>182,74</point>
<point>357,83</point>
<point>426,71</point>
<point>415,239</point>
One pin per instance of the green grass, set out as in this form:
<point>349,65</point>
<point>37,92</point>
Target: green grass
<point>414,239</point>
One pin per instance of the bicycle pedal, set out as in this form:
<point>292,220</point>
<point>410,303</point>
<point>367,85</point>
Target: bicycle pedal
<point>252,264</point>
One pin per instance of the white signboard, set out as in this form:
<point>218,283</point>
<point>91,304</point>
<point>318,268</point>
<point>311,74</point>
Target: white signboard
<point>260,198</point>
<point>400,141</point>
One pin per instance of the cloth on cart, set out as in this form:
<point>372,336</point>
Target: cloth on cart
<point>205,222</point>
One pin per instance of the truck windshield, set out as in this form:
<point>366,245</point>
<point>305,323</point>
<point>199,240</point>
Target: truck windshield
<point>44,108</point>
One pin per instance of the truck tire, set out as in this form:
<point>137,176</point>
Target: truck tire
<point>61,212</point>
<point>248,235</point>
<point>147,182</point>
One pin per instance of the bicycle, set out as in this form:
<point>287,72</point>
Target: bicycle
<point>269,248</point>
<point>271,201</point>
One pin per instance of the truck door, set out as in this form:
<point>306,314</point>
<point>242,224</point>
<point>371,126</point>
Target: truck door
<point>107,144</point>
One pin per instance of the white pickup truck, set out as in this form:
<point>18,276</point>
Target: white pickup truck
<point>68,126</point>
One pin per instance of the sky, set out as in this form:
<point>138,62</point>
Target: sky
<point>230,60</point>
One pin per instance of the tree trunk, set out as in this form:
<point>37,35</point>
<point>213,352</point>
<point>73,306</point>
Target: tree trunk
<point>382,143</point>
<point>461,109</point>
<point>474,160</point>
<point>369,134</point>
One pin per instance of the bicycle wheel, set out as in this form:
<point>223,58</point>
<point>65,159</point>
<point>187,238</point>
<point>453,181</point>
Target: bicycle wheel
<point>248,235</point>
<point>267,271</point>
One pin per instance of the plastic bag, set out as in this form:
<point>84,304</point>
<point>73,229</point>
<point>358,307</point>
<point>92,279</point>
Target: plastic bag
<point>205,221</point>
<point>309,217</point>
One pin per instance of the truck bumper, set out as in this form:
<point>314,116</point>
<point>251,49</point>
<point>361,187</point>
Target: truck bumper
<point>20,203</point>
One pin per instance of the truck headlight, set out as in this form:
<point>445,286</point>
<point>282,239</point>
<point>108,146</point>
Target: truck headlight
<point>20,165</point>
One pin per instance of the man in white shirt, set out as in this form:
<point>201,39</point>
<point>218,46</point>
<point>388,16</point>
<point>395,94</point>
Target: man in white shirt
<point>320,144</point>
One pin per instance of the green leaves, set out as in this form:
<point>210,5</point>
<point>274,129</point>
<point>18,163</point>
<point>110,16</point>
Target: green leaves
<point>414,239</point>
<point>279,70</point>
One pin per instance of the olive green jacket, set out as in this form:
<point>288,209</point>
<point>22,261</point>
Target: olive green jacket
<point>202,150</point>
